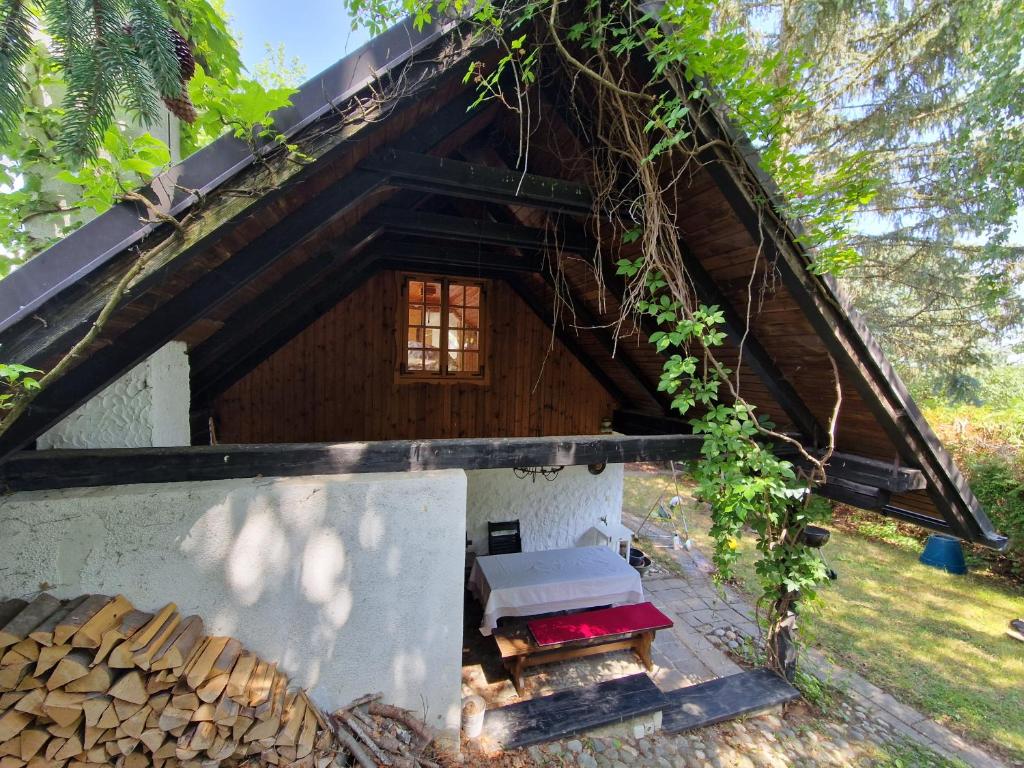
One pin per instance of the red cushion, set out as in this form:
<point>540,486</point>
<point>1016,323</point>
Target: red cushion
<point>589,625</point>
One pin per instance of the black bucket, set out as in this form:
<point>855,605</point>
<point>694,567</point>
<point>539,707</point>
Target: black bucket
<point>636,556</point>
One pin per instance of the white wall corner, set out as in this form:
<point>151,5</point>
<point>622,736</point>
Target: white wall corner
<point>147,407</point>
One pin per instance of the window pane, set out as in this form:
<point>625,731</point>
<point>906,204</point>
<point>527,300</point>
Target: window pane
<point>454,363</point>
<point>472,296</point>
<point>433,338</point>
<point>432,360</point>
<point>415,314</point>
<point>433,318</point>
<point>471,318</point>
<point>454,340</point>
<point>415,338</point>
<point>471,362</point>
<point>415,292</point>
<point>455,318</point>
<point>455,293</point>
<point>470,340</point>
<point>433,296</point>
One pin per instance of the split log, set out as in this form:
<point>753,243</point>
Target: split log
<point>240,675</point>
<point>43,634</point>
<point>178,646</point>
<point>13,722</point>
<point>78,617</point>
<point>49,655</point>
<point>28,618</point>
<point>73,666</point>
<point>200,670</point>
<point>26,649</point>
<point>130,623</point>
<point>11,675</point>
<point>96,680</point>
<point>91,633</point>
<point>130,688</point>
<point>32,741</point>
<point>11,608</point>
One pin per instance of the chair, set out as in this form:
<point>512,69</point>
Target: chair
<point>503,538</point>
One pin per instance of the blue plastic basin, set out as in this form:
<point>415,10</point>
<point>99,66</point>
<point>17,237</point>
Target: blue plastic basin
<point>945,552</point>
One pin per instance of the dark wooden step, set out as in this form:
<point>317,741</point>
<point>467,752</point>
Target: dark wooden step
<point>568,712</point>
<point>724,698</point>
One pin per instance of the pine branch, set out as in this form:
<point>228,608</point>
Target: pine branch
<point>15,45</point>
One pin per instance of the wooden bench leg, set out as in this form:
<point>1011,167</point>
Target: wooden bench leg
<point>643,649</point>
<point>515,668</point>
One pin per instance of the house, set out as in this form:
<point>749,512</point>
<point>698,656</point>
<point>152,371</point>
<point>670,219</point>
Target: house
<point>322,382</point>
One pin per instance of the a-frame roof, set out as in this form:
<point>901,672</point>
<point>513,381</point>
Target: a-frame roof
<point>268,245</point>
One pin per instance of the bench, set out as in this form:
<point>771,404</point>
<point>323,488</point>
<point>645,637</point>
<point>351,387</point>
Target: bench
<point>575,635</point>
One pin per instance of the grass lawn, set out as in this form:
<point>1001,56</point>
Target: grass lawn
<point>935,641</point>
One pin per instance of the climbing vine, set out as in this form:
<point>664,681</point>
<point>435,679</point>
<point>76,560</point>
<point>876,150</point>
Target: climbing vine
<point>655,81</point>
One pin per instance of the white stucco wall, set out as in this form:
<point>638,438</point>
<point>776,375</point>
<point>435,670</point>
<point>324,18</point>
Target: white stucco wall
<point>552,514</point>
<point>147,407</point>
<point>353,583</point>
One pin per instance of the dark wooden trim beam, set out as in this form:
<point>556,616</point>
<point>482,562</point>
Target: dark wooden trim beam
<point>854,494</point>
<point>454,178</point>
<point>41,470</point>
<point>423,256</point>
<point>916,518</point>
<point>468,230</point>
<point>879,474</point>
<point>634,423</point>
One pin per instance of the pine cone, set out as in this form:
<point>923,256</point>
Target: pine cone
<point>183,51</point>
<point>181,107</point>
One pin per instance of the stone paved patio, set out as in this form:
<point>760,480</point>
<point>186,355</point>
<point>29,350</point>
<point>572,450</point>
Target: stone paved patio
<point>867,726</point>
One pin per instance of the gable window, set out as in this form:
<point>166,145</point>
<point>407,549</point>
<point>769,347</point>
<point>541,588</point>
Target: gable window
<point>442,323</point>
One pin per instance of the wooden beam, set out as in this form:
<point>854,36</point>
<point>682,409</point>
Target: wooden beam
<point>467,230</point>
<point>861,469</point>
<point>419,255</point>
<point>909,516</point>
<point>103,366</point>
<point>630,422</point>
<point>453,178</point>
<point>39,470</point>
<point>854,494</point>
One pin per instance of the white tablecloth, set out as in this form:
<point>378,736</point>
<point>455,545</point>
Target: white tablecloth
<point>528,583</point>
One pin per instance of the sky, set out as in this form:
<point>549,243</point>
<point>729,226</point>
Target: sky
<point>318,32</point>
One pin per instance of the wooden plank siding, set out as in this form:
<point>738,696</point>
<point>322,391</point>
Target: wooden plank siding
<point>336,381</point>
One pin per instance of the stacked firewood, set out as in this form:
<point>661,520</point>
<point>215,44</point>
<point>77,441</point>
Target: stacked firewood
<point>92,681</point>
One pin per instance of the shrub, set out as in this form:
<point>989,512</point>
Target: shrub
<point>998,482</point>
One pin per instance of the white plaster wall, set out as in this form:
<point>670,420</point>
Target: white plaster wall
<point>147,407</point>
<point>552,514</point>
<point>353,583</point>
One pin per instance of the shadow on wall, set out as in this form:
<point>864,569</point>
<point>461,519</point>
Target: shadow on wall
<point>553,514</point>
<point>352,583</point>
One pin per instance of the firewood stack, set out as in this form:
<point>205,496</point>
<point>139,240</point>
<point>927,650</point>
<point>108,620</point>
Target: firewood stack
<point>92,681</point>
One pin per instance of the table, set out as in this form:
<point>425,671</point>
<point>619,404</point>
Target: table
<point>531,583</point>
